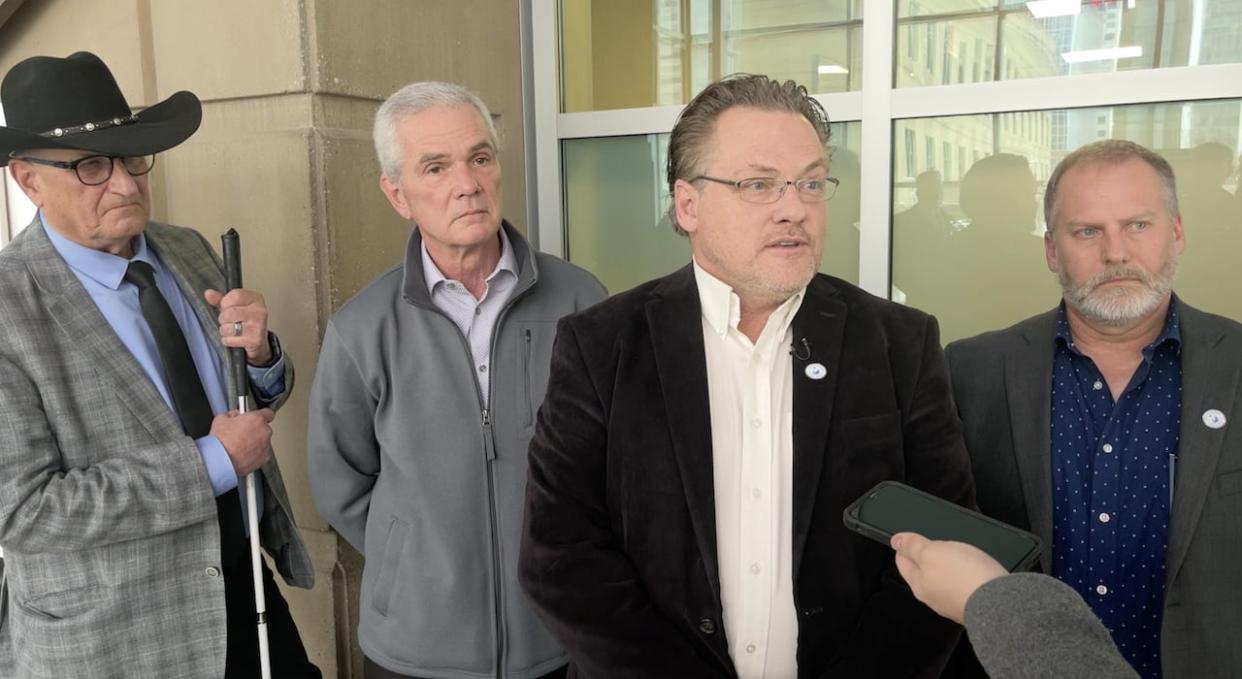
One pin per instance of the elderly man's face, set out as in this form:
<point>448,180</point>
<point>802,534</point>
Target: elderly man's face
<point>450,178</point>
<point>104,217</point>
<point>1114,246</point>
<point>765,252</point>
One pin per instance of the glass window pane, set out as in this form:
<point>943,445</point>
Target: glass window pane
<point>967,245</point>
<point>663,52</point>
<point>1041,38</point>
<point>616,202</point>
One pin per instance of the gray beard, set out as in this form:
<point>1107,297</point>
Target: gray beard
<point>1120,306</point>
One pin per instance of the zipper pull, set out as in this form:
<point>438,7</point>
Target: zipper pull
<point>489,444</point>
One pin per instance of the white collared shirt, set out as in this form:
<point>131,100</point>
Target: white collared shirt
<point>475,318</point>
<point>750,388</point>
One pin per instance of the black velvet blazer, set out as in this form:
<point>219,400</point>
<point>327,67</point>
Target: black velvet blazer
<point>619,545</point>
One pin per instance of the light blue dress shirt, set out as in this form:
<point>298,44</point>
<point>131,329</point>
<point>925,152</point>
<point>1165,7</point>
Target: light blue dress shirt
<point>103,274</point>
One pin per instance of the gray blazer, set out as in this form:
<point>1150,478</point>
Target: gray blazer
<point>1002,384</point>
<point>107,517</point>
<point>1031,625</point>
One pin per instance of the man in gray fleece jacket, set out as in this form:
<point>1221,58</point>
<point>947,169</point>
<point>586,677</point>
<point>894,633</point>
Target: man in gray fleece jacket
<point>424,404</point>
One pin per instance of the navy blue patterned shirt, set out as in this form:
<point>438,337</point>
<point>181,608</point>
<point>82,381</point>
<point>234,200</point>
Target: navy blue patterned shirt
<point>1112,472</point>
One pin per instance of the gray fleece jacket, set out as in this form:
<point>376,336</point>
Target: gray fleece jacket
<point>409,467</point>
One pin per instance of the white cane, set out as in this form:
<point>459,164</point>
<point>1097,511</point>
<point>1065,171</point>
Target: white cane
<point>237,364</point>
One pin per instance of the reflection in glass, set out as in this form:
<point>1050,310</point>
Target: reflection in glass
<point>955,41</point>
<point>616,203</point>
<point>968,247</point>
<point>663,52</point>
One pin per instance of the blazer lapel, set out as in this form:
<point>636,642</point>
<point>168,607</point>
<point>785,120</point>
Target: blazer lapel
<point>820,321</point>
<point>674,316</point>
<point>1028,381</point>
<point>192,279</point>
<point>1209,381</point>
<point>78,318</point>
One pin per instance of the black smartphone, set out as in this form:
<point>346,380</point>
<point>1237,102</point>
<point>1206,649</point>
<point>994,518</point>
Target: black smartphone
<point>892,507</point>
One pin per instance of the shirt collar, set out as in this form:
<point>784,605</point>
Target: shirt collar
<point>1170,333</point>
<point>722,308</point>
<point>433,277</point>
<point>102,267</point>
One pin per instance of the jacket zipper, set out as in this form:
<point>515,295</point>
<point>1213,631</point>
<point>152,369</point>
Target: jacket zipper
<point>489,454</point>
<point>489,448</point>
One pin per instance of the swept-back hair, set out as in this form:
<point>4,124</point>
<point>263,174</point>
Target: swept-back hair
<point>688,143</point>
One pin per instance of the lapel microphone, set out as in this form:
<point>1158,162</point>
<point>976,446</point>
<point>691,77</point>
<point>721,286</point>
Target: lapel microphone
<point>804,354</point>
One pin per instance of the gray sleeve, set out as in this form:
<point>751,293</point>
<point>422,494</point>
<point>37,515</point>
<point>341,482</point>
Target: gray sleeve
<point>343,455</point>
<point>1032,625</point>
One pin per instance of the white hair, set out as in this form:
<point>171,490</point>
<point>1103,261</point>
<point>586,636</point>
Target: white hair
<point>414,99</point>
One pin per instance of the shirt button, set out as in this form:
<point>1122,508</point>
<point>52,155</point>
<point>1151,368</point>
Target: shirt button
<point>477,311</point>
<point>1105,518</point>
<point>756,493</point>
<point>707,626</point>
<point>482,368</point>
<point>1098,385</point>
<point>1107,447</point>
<point>1101,590</point>
<point>756,423</point>
<point>750,648</point>
<point>754,568</point>
<point>213,572</point>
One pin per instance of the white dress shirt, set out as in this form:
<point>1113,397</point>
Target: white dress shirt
<point>750,389</point>
<point>475,318</point>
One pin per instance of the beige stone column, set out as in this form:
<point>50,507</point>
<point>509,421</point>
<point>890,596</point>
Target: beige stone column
<point>284,155</point>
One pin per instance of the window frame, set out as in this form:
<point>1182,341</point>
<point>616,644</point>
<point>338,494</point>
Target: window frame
<point>878,105</point>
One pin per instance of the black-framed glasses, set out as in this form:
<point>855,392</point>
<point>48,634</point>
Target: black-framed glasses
<point>95,170</point>
<point>768,190</point>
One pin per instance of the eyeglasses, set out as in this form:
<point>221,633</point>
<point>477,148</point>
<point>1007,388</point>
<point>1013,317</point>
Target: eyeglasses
<point>767,190</point>
<point>95,170</point>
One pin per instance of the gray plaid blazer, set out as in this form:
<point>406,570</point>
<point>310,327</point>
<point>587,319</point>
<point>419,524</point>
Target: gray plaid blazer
<point>107,517</point>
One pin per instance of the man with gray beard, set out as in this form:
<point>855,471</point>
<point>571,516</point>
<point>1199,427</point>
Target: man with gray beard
<point>1107,425</point>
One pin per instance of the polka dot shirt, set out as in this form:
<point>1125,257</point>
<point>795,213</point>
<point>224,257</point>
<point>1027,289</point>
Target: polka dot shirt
<point>1112,472</point>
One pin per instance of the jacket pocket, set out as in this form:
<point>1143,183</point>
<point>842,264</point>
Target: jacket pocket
<point>1229,483</point>
<point>526,377</point>
<point>65,605</point>
<point>390,563</point>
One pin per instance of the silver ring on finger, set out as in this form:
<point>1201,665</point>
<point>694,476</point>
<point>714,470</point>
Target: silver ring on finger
<point>237,328</point>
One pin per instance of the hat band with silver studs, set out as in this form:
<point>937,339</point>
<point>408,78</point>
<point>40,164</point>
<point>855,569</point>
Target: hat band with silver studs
<point>90,127</point>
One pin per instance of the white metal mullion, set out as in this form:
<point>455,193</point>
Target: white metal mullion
<point>617,122</point>
<point>1183,83</point>
<point>877,144</point>
<point>842,107</point>
<point>545,80</point>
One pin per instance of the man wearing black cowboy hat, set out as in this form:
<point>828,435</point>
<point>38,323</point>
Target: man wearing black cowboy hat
<point>119,459</point>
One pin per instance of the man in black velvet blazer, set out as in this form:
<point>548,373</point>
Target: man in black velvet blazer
<point>622,552</point>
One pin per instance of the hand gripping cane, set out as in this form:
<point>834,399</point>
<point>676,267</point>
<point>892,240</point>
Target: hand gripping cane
<point>241,380</point>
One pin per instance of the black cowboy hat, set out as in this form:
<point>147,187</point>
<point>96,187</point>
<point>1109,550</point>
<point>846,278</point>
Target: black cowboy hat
<point>75,103</point>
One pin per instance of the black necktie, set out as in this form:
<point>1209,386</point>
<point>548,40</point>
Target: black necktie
<point>189,398</point>
<point>180,374</point>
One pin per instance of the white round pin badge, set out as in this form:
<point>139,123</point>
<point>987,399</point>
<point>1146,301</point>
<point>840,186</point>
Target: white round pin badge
<point>816,371</point>
<point>1214,418</point>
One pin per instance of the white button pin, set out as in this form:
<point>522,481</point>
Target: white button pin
<point>816,371</point>
<point>1214,418</point>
